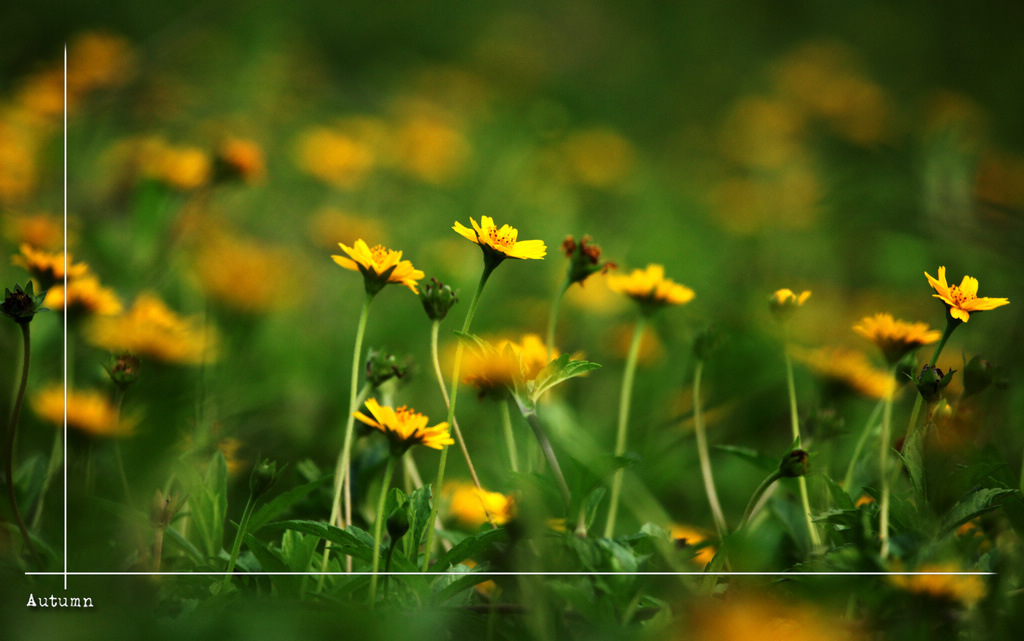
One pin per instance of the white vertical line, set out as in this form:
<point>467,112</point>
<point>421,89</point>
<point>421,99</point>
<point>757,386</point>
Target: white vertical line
<point>64,445</point>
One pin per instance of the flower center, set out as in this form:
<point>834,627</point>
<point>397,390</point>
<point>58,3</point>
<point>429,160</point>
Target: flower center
<point>959,297</point>
<point>498,239</point>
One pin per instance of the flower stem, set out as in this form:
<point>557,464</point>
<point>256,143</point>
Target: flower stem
<point>556,305</point>
<point>883,463</point>
<point>805,502</point>
<point>758,493</point>
<point>549,453</point>
<point>429,542</point>
<point>12,431</point>
<point>702,451</point>
<point>237,545</point>
<point>378,522</point>
<point>510,438</point>
<point>868,428</point>
<point>118,399</point>
<point>625,397</point>
<point>434,328</point>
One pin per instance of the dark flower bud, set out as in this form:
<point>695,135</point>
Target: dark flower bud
<point>397,523</point>
<point>977,376</point>
<point>795,463</point>
<point>584,259</point>
<point>437,299</point>
<point>931,382</point>
<point>124,370</point>
<point>263,477</point>
<point>22,304</point>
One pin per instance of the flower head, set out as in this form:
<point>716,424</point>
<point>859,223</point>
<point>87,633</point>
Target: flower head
<point>379,266</point>
<point>784,302</point>
<point>896,338</point>
<point>151,329</point>
<point>584,259</point>
<point>500,243</point>
<point>941,584</point>
<point>850,367</point>
<point>91,412</point>
<point>438,299</point>
<point>46,267</point>
<point>650,288</point>
<point>496,367</point>
<point>22,305</point>
<point>405,427</point>
<point>470,506</point>
<point>962,299</point>
<point>83,296</point>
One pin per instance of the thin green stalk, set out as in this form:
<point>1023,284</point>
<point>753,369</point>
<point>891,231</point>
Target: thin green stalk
<point>758,493</point>
<point>865,433</point>
<point>438,483</point>
<point>237,545</point>
<point>12,431</point>
<point>556,305</point>
<point>510,438</point>
<point>702,451</point>
<point>795,425</point>
<point>434,328</point>
<point>883,462</point>
<point>118,399</point>
<point>378,522</point>
<point>549,454</point>
<point>625,397</point>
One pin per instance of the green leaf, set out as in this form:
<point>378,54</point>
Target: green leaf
<point>350,541</point>
<point>558,371</point>
<point>281,503</point>
<point>468,548</point>
<point>839,495</point>
<point>208,505</point>
<point>456,581</point>
<point>297,549</point>
<point>913,459</point>
<point>972,505</point>
<point>419,515</point>
<point>270,561</point>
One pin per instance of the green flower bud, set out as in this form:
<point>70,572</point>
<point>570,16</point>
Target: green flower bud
<point>397,523</point>
<point>22,304</point>
<point>795,463</point>
<point>263,477</point>
<point>124,369</point>
<point>707,342</point>
<point>932,382</point>
<point>437,299</point>
<point>381,367</point>
<point>977,376</point>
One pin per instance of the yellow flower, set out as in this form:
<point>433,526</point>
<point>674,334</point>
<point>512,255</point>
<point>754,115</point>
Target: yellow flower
<point>470,506</point>
<point>848,366</point>
<point>245,274</point>
<point>379,266</point>
<point>41,231</point>
<point>748,615</point>
<point>784,302</point>
<point>84,296</point>
<point>965,589</point>
<point>962,299</point>
<point>895,337</point>
<point>405,427</point>
<point>689,537</point>
<point>650,288</point>
<point>46,267</point>
<point>149,328</point>
<point>500,243</point>
<point>88,411</point>
<point>431,149</point>
<point>241,158</point>
<point>494,368</point>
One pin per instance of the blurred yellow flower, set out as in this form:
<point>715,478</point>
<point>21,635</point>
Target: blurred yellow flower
<point>340,158</point>
<point>241,158</point>
<point>229,447</point>
<point>747,616</point>
<point>47,267</point>
<point>501,242</point>
<point>850,367</point>
<point>895,337</point>
<point>180,167</point>
<point>964,589</point>
<point>650,288</point>
<point>784,302</point>
<point>98,60</point>
<point>404,427</point>
<point>150,329</point>
<point>329,225</point>
<point>84,296</point>
<point>599,157</point>
<point>765,133</point>
<point>430,148</point>
<point>90,412</point>
<point>503,362</point>
<point>379,266</point>
<point>18,168</point>
<point>691,537</point>
<point>470,506</point>
<point>652,349</point>
<point>245,274</point>
<point>41,231</point>
<point>962,299</point>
